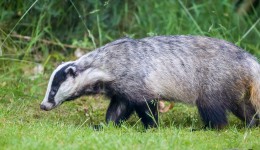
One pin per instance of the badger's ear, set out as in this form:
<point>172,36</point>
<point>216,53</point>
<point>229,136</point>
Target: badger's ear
<point>71,70</point>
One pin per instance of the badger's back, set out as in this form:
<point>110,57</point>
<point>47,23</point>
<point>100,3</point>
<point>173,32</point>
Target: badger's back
<point>191,66</point>
<point>175,67</point>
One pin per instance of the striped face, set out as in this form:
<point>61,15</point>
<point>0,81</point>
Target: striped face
<point>61,75</point>
<point>68,83</point>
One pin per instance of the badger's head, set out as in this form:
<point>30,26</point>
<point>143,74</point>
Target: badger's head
<point>69,82</point>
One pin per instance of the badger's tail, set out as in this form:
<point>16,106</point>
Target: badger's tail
<point>255,87</point>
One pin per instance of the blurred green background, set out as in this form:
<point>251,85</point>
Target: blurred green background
<point>92,23</point>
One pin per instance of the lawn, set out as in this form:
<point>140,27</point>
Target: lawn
<point>24,126</point>
<point>23,49</point>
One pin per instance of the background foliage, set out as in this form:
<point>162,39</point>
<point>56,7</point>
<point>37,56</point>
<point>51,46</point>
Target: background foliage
<point>73,22</point>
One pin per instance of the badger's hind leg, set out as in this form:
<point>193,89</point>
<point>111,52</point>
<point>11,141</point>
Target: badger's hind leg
<point>212,111</point>
<point>119,110</point>
<point>245,112</point>
<point>148,112</point>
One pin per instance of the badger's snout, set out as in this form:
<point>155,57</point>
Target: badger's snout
<point>46,106</point>
<point>43,107</point>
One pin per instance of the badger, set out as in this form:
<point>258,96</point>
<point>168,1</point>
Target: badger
<point>215,75</point>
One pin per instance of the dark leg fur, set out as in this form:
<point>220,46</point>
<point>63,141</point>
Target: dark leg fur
<point>148,112</point>
<point>213,115</point>
<point>245,112</point>
<point>119,110</point>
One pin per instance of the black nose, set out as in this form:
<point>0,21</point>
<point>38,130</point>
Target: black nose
<point>43,107</point>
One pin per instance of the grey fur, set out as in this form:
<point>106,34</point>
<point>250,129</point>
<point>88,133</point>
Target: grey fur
<point>171,67</point>
<point>177,68</point>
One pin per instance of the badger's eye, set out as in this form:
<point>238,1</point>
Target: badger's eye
<point>53,92</point>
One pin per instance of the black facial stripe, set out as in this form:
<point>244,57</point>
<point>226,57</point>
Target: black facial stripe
<point>58,79</point>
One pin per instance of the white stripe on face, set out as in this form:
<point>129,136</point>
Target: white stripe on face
<point>45,100</point>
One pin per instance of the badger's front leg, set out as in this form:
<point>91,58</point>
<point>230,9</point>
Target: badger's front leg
<point>148,112</point>
<point>119,110</point>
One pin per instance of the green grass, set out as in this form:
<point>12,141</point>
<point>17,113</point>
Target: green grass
<point>24,126</point>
